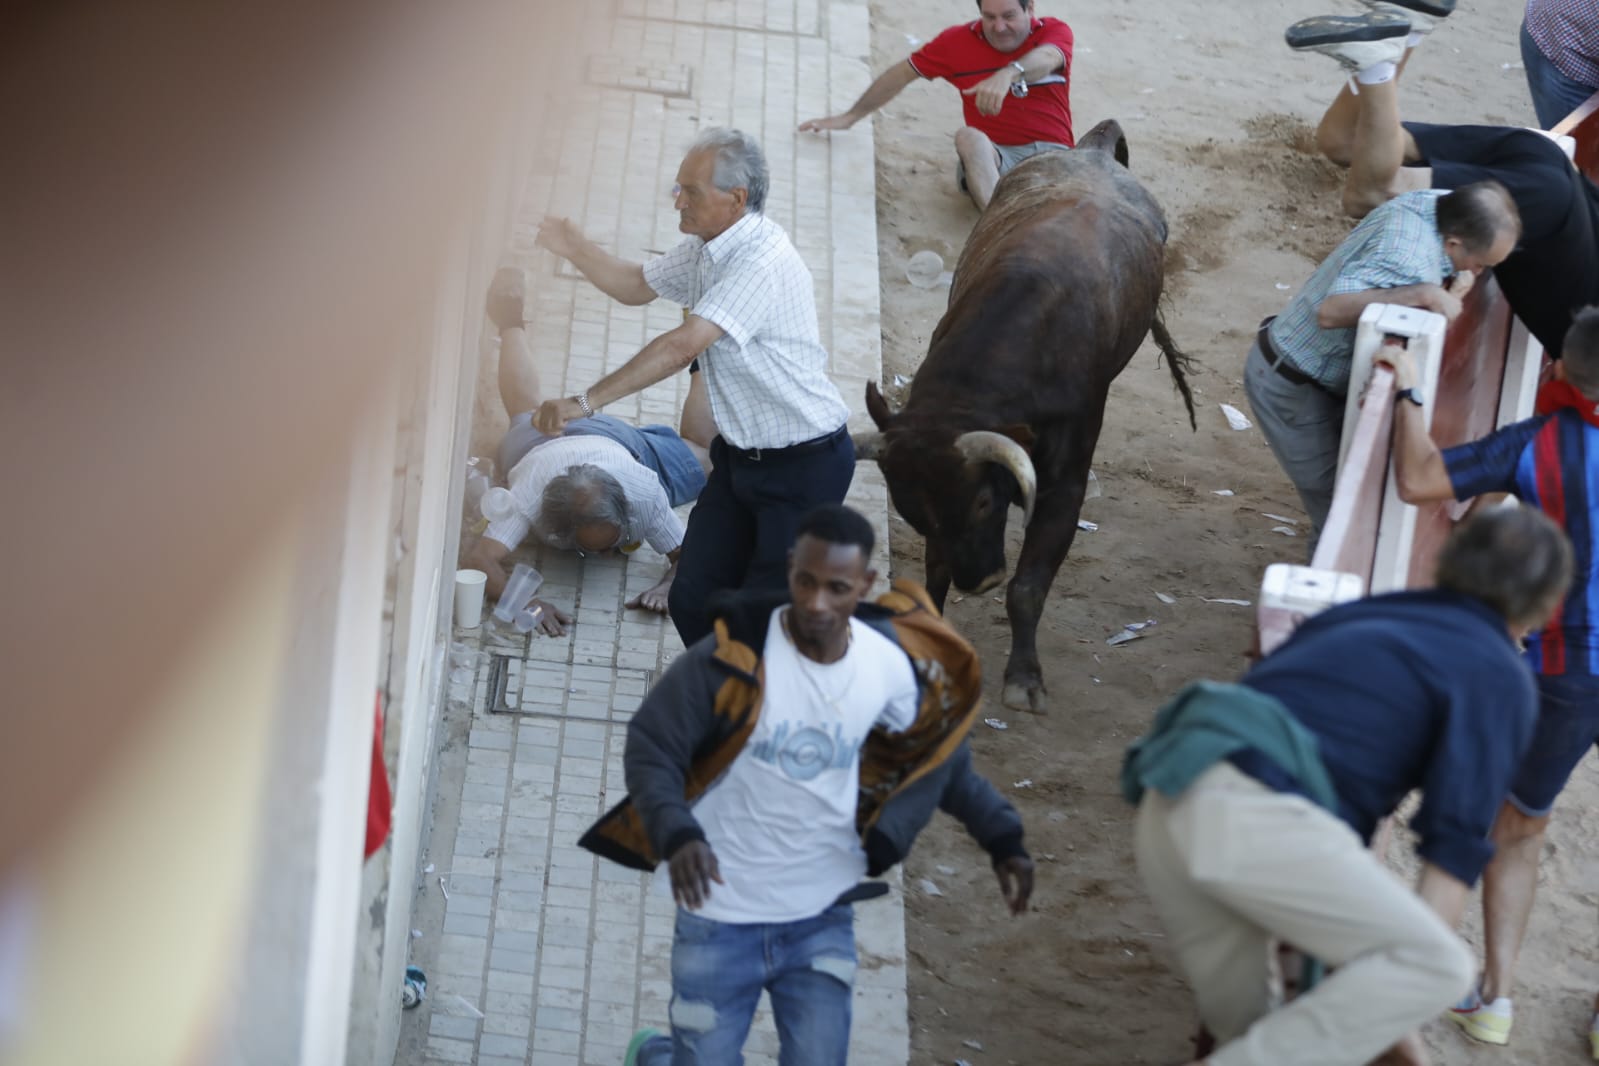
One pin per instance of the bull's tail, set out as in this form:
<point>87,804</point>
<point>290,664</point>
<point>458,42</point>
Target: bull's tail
<point>1179,363</point>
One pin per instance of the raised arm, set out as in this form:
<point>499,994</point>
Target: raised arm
<point>620,279</point>
<point>662,357</point>
<point>885,88</point>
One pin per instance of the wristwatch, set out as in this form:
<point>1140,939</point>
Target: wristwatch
<point>1408,394</point>
<point>1019,86</point>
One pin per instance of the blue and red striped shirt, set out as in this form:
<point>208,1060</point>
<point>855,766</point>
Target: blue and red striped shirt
<point>1550,462</point>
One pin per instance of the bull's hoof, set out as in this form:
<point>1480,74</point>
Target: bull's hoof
<point>1026,696</point>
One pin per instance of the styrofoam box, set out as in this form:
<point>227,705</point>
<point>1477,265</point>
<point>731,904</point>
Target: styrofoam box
<point>1307,590</point>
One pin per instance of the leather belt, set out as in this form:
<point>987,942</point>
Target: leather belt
<point>815,444</point>
<point>1275,360</point>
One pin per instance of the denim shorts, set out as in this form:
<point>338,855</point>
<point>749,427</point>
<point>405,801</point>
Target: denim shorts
<point>657,447</point>
<point>1568,725</point>
<point>1010,155</point>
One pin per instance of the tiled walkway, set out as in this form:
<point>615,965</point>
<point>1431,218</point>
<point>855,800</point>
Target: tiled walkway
<point>540,953</point>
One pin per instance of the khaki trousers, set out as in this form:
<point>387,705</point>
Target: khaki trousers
<point>1231,864</point>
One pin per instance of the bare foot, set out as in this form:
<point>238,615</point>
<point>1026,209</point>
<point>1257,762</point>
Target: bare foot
<point>652,599</point>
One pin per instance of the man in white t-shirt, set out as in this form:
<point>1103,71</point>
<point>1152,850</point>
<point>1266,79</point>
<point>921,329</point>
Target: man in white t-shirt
<point>799,714</point>
<point>601,485</point>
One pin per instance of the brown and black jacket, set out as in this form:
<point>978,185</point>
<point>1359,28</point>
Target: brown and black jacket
<point>698,717</point>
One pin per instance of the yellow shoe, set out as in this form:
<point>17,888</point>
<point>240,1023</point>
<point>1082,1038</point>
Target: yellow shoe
<point>1593,1037</point>
<point>1487,1022</point>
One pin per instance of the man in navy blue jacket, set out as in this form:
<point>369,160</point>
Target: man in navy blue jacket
<point>1257,801</point>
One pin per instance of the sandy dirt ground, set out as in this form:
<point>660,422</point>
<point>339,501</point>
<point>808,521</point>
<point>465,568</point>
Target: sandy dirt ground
<point>1219,116</point>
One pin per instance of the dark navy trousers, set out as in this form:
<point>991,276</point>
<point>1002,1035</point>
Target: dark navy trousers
<point>740,531</point>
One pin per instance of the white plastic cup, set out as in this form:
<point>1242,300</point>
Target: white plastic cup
<point>469,586</point>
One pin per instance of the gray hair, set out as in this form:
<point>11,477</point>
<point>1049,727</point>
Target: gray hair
<point>585,494</point>
<point>1514,559</point>
<point>740,164</point>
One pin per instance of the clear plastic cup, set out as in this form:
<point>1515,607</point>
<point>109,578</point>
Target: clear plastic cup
<point>497,504</point>
<point>519,590</point>
<point>527,619</point>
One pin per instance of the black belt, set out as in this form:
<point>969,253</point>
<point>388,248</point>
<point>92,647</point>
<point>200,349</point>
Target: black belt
<point>1277,362</point>
<point>766,455</point>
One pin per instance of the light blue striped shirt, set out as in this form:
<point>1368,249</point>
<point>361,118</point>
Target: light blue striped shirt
<point>1397,244</point>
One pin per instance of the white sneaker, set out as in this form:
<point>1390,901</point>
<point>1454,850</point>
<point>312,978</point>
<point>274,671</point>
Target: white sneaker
<point>1355,41</point>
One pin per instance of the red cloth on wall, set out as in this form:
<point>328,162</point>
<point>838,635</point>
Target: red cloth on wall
<point>380,800</point>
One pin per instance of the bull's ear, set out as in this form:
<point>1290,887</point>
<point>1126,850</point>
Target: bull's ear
<point>877,407</point>
<point>1021,434</point>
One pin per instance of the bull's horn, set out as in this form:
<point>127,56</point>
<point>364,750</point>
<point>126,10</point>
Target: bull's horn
<point>986,446</point>
<point>868,446</point>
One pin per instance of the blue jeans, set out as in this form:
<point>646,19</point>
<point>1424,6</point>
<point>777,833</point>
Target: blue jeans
<point>657,448</point>
<point>1554,96</point>
<point>1568,725</point>
<point>719,970</point>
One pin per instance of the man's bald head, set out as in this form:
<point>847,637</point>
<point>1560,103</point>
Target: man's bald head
<point>1479,224</point>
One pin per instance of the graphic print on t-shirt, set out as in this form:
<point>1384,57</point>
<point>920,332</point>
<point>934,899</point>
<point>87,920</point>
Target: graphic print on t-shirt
<point>782,819</point>
<point>802,750</point>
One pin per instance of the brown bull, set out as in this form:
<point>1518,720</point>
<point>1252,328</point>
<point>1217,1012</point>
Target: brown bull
<point>1056,288</point>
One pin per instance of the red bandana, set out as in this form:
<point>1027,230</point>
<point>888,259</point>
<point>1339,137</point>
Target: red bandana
<point>1557,394</point>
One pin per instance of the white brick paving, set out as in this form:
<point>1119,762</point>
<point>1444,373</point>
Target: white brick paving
<point>547,955</point>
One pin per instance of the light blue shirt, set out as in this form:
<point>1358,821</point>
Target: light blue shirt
<point>1397,244</point>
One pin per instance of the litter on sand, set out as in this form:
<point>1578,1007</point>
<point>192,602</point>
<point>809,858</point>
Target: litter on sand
<point>1280,518</point>
<point>1286,531</point>
<point>1164,598</point>
<point>995,723</point>
<point>1123,637</point>
<point>1282,286</point>
<point>1233,603</point>
<point>1221,492</point>
<point>900,381</point>
<point>1087,527</point>
<point>1093,490</point>
<point>1235,417</point>
<point>930,889</point>
<point>1025,782</point>
<point>947,871</point>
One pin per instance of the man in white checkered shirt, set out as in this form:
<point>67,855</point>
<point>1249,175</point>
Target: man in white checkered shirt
<point>750,323</point>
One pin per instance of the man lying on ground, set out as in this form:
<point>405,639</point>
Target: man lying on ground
<point>1256,801</point>
<point>600,485</point>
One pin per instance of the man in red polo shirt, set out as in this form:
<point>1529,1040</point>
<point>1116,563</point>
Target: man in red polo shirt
<point>1013,71</point>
